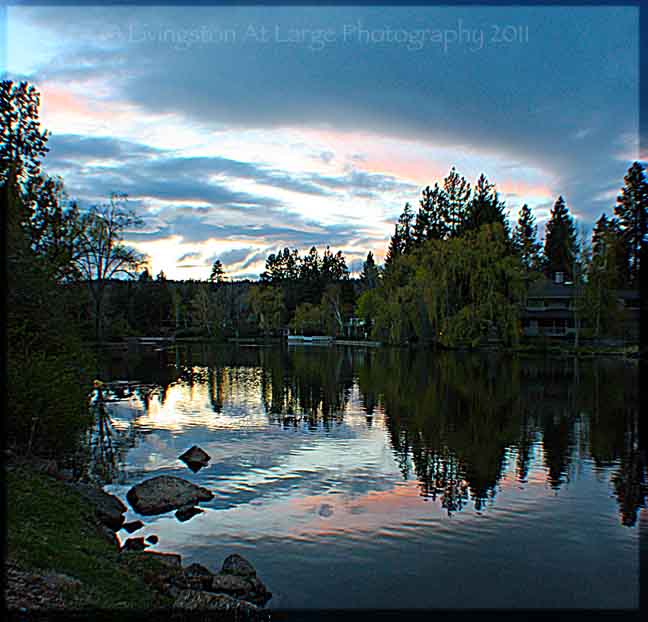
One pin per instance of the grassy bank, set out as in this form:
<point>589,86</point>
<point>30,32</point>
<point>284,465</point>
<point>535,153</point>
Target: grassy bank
<point>50,529</point>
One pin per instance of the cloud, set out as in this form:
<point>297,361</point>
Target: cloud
<point>563,101</point>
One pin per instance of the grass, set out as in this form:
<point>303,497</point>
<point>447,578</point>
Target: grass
<point>51,529</point>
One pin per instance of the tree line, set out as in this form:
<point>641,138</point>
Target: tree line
<point>456,272</point>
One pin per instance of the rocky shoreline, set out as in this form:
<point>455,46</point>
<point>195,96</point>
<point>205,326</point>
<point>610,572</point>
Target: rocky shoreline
<point>234,589</point>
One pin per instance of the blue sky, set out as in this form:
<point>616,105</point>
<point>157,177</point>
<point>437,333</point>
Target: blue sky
<point>239,130</point>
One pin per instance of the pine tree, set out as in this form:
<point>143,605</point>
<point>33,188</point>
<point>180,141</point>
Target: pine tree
<point>560,241</point>
<point>525,240</point>
<point>631,210</point>
<point>403,239</point>
<point>431,219</point>
<point>218,273</point>
<point>369,275</point>
<point>485,207</point>
<point>457,196</point>
<point>610,247</point>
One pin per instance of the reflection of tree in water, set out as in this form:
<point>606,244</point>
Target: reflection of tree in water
<point>107,444</point>
<point>457,417</point>
<point>454,418</point>
<point>310,386</point>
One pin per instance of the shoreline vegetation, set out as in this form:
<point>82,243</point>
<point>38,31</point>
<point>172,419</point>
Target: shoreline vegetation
<point>456,275</point>
<point>62,557</point>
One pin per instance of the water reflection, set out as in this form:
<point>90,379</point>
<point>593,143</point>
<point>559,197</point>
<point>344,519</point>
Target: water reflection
<point>461,426</point>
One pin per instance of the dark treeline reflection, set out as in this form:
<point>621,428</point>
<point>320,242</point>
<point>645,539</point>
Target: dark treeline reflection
<point>454,420</point>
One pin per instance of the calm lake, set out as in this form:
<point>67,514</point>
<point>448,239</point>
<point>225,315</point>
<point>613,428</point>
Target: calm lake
<point>381,478</point>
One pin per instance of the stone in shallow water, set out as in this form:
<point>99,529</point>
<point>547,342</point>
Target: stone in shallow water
<point>195,458</point>
<point>133,526</point>
<point>134,544</point>
<point>163,493</point>
<point>187,512</point>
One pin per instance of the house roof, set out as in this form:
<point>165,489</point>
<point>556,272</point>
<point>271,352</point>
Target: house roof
<point>544,288</point>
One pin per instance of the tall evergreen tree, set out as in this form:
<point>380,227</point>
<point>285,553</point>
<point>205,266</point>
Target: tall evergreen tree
<point>403,239</point>
<point>485,207</point>
<point>525,239</point>
<point>431,218</point>
<point>457,196</point>
<point>217,273</point>
<point>632,209</point>
<point>560,241</point>
<point>369,275</point>
<point>609,247</point>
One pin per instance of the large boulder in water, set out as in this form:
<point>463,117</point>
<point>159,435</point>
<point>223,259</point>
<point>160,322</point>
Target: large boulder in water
<point>163,493</point>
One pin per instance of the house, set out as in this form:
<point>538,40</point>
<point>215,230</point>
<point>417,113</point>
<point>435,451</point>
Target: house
<point>550,310</point>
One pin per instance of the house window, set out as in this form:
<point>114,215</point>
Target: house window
<point>559,277</point>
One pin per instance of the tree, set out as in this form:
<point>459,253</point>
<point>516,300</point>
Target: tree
<point>403,239</point>
<point>457,197</point>
<point>54,227</point>
<point>102,253</point>
<point>218,273</point>
<point>631,210</point>
<point>22,143</point>
<point>525,240</point>
<point>204,313</point>
<point>370,273</point>
<point>431,219</point>
<point>560,241</point>
<point>485,208</point>
<point>267,304</point>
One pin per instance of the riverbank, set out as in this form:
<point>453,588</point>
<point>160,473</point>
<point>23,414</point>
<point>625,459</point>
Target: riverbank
<point>60,557</point>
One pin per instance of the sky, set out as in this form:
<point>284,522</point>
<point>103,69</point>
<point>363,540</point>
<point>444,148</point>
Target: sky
<point>238,131</point>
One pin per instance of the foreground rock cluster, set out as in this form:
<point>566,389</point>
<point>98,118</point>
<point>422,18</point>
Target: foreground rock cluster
<point>234,591</point>
<point>235,588</point>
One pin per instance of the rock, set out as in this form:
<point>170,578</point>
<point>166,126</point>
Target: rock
<point>196,577</point>
<point>198,570</point>
<point>195,458</point>
<point>152,539</point>
<point>109,535</point>
<point>108,508</point>
<point>134,544</point>
<point>163,493</point>
<point>133,526</point>
<point>238,565</point>
<point>61,581</point>
<point>259,593</point>
<point>186,512</point>
<point>230,584</point>
<point>170,559</point>
<point>194,600</point>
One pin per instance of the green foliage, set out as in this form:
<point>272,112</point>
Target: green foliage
<point>525,240</point>
<point>456,291</point>
<point>50,527</point>
<point>632,212</point>
<point>560,241</point>
<point>267,304</point>
<point>22,143</point>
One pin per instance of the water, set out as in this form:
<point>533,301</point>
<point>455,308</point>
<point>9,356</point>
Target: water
<point>386,478</point>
